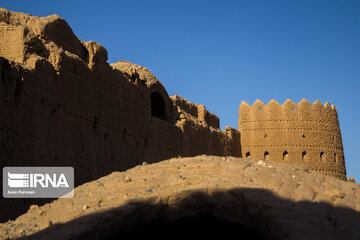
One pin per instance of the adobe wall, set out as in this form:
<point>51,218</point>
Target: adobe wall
<point>197,111</point>
<point>11,43</point>
<point>62,104</point>
<point>294,133</point>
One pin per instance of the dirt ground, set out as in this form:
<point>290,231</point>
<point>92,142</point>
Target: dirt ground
<point>274,200</point>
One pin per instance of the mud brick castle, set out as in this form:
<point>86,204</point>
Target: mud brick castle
<point>62,104</point>
<point>295,133</point>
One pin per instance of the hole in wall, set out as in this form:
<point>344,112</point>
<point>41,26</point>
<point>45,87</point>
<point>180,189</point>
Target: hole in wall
<point>322,157</point>
<point>335,157</point>
<point>157,106</point>
<point>124,134</point>
<point>266,155</point>
<point>94,124</point>
<point>293,108</point>
<point>134,76</point>
<point>303,155</point>
<point>265,135</point>
<point>303,136</point>
<point>285,155</point>
<point>146,141</point>
<point>260,109</point>
<point>17,95</point>
<point>247,154</point>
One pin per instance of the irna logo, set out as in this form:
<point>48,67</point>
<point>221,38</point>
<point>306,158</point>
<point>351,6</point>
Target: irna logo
<point>38,182</point>
<point>20,180</point>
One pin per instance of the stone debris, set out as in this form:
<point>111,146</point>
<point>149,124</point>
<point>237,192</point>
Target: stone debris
<point>127,179</point>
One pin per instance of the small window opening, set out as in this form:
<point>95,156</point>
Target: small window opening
<point>303,136</point>
<point>266,155</point>
<point>248,154</point>
<point>304,155</point>
<point>260,109</point>
<point>157,106</point>
<point>124,134</point>
<point>285,156</point>
<point>293,108</point>
<point>322,156</point>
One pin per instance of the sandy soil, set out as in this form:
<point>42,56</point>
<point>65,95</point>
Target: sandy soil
<point>277,200</point>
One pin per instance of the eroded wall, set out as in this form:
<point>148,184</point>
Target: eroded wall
<point>201,132</point>
<point>294,133</point>
<point>62,104</point>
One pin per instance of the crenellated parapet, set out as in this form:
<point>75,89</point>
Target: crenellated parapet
<point>295,133</point>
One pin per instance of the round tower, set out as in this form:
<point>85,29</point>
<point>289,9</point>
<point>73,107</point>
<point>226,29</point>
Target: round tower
<point>293,133</point>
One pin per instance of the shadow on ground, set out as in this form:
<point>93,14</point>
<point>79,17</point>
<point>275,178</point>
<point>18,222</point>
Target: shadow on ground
<point>240,213</point>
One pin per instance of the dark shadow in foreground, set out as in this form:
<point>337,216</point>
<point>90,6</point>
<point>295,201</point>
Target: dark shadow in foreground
<point>239,213</point>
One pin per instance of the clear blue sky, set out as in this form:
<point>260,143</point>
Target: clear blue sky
<point>218,53</point>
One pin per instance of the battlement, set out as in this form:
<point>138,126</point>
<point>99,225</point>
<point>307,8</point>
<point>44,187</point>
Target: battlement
<point>289,111</point>
<point>296,133</point>
<point>288,105</point>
